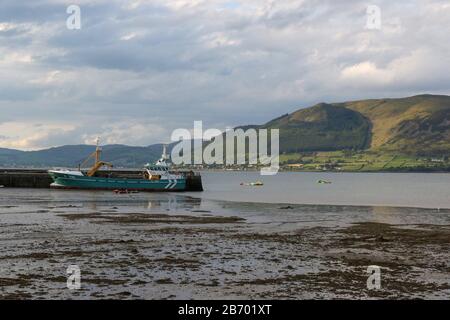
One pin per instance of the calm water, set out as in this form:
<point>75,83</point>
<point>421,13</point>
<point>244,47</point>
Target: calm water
<point>426,190</point>
<point>351,197</point>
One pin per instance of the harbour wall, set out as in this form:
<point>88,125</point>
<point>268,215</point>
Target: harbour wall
<point>39,178</point>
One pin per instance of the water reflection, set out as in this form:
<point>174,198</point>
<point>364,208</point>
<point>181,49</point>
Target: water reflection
<point>174,203</point>
<point>293,215</point>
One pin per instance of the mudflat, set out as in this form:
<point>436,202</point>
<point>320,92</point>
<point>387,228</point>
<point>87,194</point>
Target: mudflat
<point>225,251</point>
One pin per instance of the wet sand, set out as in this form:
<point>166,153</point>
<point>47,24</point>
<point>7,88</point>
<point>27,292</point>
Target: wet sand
<point>220,250</point>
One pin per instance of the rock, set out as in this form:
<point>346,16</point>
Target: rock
<point>380,238</point>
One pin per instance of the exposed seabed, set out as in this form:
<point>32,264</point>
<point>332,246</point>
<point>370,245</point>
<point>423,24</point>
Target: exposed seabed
<point>177,247</point>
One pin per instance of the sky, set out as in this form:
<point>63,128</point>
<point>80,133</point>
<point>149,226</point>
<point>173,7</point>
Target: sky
<point>136,70</point>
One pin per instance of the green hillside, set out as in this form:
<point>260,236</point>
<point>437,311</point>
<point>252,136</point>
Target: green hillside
<point>418,125</point>
<point>323,127</point>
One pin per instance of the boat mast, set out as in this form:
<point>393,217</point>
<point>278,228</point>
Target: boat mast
<point>98,163</point>
<point>98,151</point>
<point>164,154</point>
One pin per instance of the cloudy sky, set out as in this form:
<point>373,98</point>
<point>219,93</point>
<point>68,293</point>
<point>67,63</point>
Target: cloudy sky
<point>138,69</point>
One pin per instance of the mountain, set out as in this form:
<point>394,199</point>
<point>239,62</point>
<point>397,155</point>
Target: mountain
<point>417,126</point>
<point>73,155</point>
<point>9,152</point>
<point>324,127</point>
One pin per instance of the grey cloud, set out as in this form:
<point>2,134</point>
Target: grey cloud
<point>37,11</point>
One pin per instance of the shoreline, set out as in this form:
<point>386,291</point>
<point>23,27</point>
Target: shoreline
<point>131,169</point>
<point>319,171</point>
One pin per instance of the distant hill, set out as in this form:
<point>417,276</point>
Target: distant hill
<point>73,155</point>
<point>418,125</point>
<point>324,127</point>
<point>9,152</point>
<point>415,125</point>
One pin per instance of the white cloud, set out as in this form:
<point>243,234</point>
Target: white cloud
<point>128,36</point>
<point>366,73</point>
<point>4,26</point>
<point>16,57</point>
<point>419,68</point>
<point>24,135</point>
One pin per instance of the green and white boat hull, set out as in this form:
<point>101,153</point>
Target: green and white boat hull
<point>76,180</point>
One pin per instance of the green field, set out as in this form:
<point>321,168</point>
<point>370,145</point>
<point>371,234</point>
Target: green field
<point>361,161</point>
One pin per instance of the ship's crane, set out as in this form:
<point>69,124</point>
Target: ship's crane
<point>98,163</point>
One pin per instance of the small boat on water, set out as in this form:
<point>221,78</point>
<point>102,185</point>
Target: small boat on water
<point>323,182</point>
<point>253,184</point>
<point>155,177</point>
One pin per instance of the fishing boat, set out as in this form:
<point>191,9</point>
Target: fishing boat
<point>155,177</point>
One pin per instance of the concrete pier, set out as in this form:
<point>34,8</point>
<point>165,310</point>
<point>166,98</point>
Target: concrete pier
<point>39,178</point>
